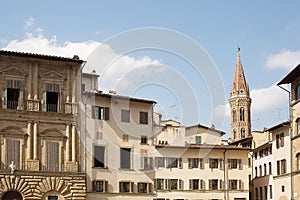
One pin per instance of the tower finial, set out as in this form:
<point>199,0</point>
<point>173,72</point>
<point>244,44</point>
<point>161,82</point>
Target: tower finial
<point>239,49</point>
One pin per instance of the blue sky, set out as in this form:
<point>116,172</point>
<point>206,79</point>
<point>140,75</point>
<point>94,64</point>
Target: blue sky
<point>266,31</point>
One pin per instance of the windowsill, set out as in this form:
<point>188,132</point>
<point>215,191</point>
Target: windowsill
<point>144,144</point>
<point>103,168</point>
<point>125,169</point>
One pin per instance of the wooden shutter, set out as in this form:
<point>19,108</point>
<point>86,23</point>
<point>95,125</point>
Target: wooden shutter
<point>221,184</point>
<point>201,164</point>
<point>106,113</point>
<point>229,163</point>
<point>221,164</point>
<point>191,184</point>
<point>52,156</point>
<point>44,106</point>
<point>13,152</point>
<point>241,185</point>
<point>155,184</point>
<point>150,187</point>
<point>180,163</point>
<point>190,160</point>
<point>278,167</point>
<point>142,162</point>
<point>202,185</point>
<point>4,99</point>
<point>21,101</point>
<point>240,164</point>
<point>210,184</point>
<point>180,184</point>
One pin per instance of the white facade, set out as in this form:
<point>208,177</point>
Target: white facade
<point>271,163</point>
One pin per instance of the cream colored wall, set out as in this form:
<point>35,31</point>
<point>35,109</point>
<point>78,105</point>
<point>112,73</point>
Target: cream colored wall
<point>207,136</point>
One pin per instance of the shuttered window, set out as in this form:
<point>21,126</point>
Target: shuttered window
<point>143,117</point>
<point>52,156</point>
<point>13,152</point>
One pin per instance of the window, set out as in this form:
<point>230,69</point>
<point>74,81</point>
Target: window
<point>159,162</point>
<point>201,164</point>
<point>142,187</point>
<point>213,163</point>
<point>265,192</point>
<point>213,184</point>
<point>282,188</point>
<point>194,184</point>
<point>270,168</point>
<point>242,114</point>
<point>52,197</point>
<point>126,187</point>
<point>249,162</point>
<point>234,163</point>
<point>198,139</point>
<point>99,156</point>
<point>147,163</point>
<point>13,94</point>
<point>234,134</point>
<point>234,115</point>
<point>52,156</point>
<point>125,157</point>
<point>255,171</point>
<point>298,161</point>
<point>100,186</point>
<point>125,137</point>
<point>125,116</point>
<point>298,92</point>
<point>52,97</point>
<point>265,169</point>
<point>233,184</point>
<point>13,152</point>
<point>260,170</point>
<point>279,140</point>
<point>143,117</point>
<point>242,133</point>
<point>260,193</point>
<point>144,140</point>
<point>281,167</point>
<point>158,184</point>
<point>174,162</point>
<point>174,184</point>
<point>101,113</point>
<point>298,126</point>
<point>193,163</point>
<point>256,193</point>
<point>271,191</point>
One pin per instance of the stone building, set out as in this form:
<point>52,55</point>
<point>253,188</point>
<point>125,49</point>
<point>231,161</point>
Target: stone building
<point>39,142</point>
<point>293,78</point>
<point>131,154</point>
<point>272,163</point>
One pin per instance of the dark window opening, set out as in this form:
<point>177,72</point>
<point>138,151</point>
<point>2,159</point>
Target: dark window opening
<point>99,156</point>
<point>144,140</point>
<point>143,117</point>
<point>12,98</point>
<point>52,197</point>
<point>125,158</point>
<point>51,101</point>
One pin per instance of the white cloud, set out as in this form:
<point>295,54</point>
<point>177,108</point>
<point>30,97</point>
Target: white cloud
<point>263,99</point>
<point>268,98</point>
<point>36,42</point>
<point>29,23</point>
<point>285,59</point>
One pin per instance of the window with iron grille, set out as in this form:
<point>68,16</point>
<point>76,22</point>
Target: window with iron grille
<point>143,117</point>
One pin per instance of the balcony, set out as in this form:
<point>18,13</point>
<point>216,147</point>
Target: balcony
<point>12,104</point>
<point>51,107</point>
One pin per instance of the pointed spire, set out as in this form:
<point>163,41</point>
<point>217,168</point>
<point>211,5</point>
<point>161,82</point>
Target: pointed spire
<point>239,85</point>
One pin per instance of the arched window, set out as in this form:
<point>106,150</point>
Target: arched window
<point>234,115</point>
<point>234,134</point>
<point>242,132</point>
<point>242,114</point>
<point>298,92</point>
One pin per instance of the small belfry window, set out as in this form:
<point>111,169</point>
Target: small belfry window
<point>298,92</point>
<point>242,133</point>
<point>234,115</point>
<point>242,114</point>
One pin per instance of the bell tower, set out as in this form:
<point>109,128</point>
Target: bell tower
<point>240,104</point>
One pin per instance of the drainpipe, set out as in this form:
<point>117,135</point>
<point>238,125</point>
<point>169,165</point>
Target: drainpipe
<point>225,190</point>
<point>291,141</point>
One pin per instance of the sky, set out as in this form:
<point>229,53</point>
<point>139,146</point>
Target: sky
<point>266,31</point>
